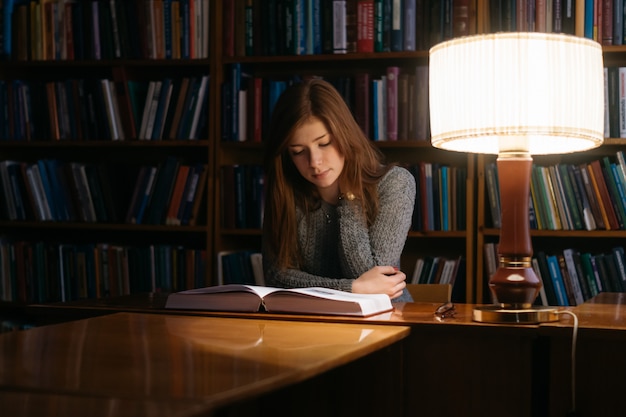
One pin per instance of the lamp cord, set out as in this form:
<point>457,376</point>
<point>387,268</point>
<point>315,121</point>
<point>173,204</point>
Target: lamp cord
<point>573,358</point>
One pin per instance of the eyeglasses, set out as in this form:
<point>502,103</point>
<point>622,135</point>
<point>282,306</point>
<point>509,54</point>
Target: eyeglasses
<point>445,311</point>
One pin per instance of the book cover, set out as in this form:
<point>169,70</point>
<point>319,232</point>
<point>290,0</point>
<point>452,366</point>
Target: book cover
<point>571,201</point>
<point>572,274</point>
<point>362,101</point>
<point>193,215</point>
<point>592,197</point>
<point>612,187</point>
<point>162,109</point>
<point>567,282</point>
<point>420,100</point>
<point>351,26</point>
<point>200,104</point>
<point>147,189</point>
<point>256,259</point>
<point>171,217</point>
<point>588,273</point>
<point>340,36</point>
<point>193,188</point>
<point>560,198</point>
<point>603,274</point>
<point>123,95</point>
<point>620,186</point>
<point>163,186</point>
<point>417,270</point>
<point>557,280</point>
<point>378,25</point>
<point>621,96</point>
<point>547,189</point>
<point>256,94</point>
<point>602,192</point>
<point>397,36</point>
<point>393,74</point>
<point>178,110</point>
<point>252,298</point>
<point>404,106</point>
<point>365,25</point>
<point>620,264</point>
<point>461,18</point>
<point>409,22</point>
<point>613,274</point>
<point>50,194</point>
<point>542,262</point>
<point>493,193</point>
<point>583,199</point>
<point>10,202</point>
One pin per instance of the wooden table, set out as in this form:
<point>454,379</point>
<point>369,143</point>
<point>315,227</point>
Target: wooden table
<point>137,364</point>
<point>600,372</point>
<point>457,367</point>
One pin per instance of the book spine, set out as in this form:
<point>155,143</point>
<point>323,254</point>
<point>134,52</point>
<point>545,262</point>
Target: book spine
<point>409,37</point>
<point>397,38</point>
<point>604,199</point>
<point>568,257</point>
<point>393,74</point>
<point>362,101</point>
<point>365,21</point>
<point>607,22</point>
<point>557,280</point>
<point>340,41</point>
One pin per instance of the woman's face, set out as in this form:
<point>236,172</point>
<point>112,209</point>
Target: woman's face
<point>314,153</point>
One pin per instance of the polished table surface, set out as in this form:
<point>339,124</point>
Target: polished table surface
<point>156,364</point>
<point>484,367</point>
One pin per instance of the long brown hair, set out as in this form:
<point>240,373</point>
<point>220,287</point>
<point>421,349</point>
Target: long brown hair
<point>286,188</point>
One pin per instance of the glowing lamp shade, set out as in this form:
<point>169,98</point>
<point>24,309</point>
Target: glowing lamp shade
<point>509,92</point>
<point>515,95</point>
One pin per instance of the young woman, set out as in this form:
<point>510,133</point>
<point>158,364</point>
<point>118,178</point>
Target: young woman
<point>335,215</point>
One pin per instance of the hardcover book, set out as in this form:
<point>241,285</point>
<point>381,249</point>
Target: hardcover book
<point>252,298</point>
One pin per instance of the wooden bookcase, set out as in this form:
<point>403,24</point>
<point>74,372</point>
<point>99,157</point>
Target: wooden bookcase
<point>544,240</point>
<point>158,256</point>
<point>210,235</point>
<point>411,151</point>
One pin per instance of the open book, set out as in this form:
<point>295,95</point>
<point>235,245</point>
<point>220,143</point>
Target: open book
<point>252,298</point>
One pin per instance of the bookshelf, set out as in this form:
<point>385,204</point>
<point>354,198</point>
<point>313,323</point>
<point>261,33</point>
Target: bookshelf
<point>75,119</point>
<point>556,236</point>
<point>138,62</point>
<point>346,70</point>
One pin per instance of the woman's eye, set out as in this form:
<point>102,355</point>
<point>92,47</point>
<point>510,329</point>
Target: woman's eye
<point>296,153</point>
<point>322,145</point>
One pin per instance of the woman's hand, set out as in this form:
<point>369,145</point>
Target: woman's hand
<point>381,280</point>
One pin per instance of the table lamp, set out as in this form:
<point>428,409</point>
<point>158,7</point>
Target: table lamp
<point>516,95</point>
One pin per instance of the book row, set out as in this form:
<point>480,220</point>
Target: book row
<point>242,190</point>
<point>388,106</point>
<point>600,20</point>
<point>440,197</point>
<point>103,109</point>
<point>550,16</point>
<point>570,277</point>
<point>41,272</point>
<point>52,190</point>
<point>439,201</point>
<point>441,270</point>
<point>304,27</point>
<point>240,267</point>
<point>101,30</point>
<point>585,196</point>
<point>615,102</point>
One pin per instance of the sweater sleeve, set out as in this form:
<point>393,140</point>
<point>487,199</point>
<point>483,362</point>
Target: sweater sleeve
<point>382,244</point>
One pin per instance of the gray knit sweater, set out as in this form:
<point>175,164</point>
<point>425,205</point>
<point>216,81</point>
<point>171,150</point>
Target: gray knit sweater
<point>337,244</point>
